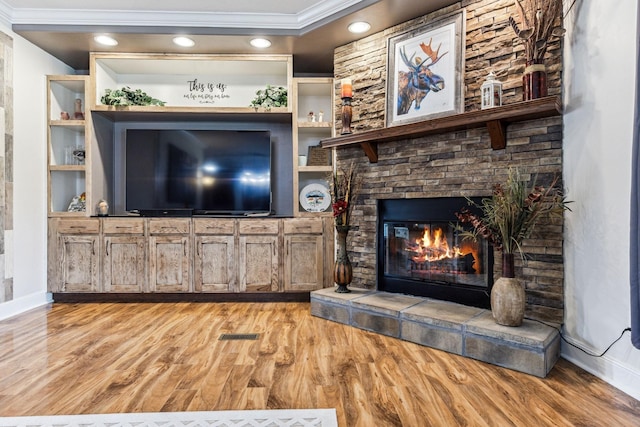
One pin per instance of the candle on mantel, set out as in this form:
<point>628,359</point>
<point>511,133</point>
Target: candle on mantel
<point>346,89</point>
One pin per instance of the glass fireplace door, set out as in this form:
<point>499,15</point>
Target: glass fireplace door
<point>433,252</point>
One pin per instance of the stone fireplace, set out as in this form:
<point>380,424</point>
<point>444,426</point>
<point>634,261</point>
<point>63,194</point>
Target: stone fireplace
<point>456,163</point>
<point>459,164</point>
<point>422,252</point>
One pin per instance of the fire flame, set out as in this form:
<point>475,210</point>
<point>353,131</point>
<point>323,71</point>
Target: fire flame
<point>433,246</point>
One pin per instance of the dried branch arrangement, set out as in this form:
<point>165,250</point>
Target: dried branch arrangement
<point>513,211</point>
<point>345,184</point>
<point>537,26</point>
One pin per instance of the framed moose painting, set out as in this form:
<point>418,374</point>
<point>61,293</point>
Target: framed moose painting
<point>425,71</point>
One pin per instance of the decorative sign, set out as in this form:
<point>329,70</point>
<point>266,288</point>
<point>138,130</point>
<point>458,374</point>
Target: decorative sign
<point>318,156</point>
<point>206,92</point>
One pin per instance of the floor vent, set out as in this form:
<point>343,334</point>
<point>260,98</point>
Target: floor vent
<point>239,337</point>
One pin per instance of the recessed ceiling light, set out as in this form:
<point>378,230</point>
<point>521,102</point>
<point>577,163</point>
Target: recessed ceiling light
<point>106,40</point>
<point>183,41</point>
<point>260,43</point>
<point>359,27</point>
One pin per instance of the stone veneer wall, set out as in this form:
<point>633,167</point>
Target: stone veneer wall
<point>6,168</point>
<point>457,163</point>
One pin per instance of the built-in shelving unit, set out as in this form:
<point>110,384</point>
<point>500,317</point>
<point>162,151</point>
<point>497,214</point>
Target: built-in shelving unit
<point>495,119</point>
<point>122,255</point>
<point>67,148</point>
<point>312,122</point>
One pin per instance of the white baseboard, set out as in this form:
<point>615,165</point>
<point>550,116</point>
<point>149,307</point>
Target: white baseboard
<point>26,303</point>
<point>624,378</point>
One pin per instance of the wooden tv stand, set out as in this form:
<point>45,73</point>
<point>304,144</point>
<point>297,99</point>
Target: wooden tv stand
<point>166,258</point>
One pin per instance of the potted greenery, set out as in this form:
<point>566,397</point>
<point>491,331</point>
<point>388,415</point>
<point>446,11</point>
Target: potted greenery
<point>506,219</point>
<point>270,97</point>
<point>127,96</point>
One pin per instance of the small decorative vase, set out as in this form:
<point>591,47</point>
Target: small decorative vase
<point>342,270</point>
<point>507,296</point>
<point>534,81</point>
<point>78,114</point>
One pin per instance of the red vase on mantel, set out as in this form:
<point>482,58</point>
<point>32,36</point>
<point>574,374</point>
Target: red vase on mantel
<point>534,81</point>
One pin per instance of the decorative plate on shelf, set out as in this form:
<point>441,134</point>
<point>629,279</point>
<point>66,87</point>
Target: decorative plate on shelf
<point>315,198</point>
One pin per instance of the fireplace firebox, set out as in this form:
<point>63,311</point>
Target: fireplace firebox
<point>421,252</point>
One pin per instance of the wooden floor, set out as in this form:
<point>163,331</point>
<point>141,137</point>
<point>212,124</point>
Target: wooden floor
<point>105,358</point>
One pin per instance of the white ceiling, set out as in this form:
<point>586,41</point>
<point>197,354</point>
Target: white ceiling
<point>308,29</point>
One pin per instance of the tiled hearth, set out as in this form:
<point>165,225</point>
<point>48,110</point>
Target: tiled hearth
<point>532,348</point>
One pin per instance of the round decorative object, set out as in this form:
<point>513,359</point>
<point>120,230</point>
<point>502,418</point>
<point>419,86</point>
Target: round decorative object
<point>102,208</point>
<point>315,198</point>
<point>507,301</point>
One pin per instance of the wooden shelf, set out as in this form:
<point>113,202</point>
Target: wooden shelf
<point>67,168</point>
<point>495,119</point>
<point>314,125</point>
<point>327,168</point>
<point>195,114</point>
<point>68,123</point>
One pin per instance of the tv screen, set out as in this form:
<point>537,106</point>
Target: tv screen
<point>205,171</point>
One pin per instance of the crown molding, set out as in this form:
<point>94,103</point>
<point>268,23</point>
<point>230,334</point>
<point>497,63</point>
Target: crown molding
<point>5,13</point>
<point>185,19</point>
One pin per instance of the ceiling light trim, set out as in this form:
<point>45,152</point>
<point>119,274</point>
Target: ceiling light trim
<point>184,41</point>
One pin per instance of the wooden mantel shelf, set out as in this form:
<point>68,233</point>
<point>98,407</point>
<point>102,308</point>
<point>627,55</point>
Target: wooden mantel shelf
<point>495,119</point>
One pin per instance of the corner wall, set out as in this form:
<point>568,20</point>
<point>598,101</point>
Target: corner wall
<point>29,264</point>
<point>600,63</point>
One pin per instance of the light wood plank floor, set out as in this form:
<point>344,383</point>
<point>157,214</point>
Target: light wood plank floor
<point>104,358</point>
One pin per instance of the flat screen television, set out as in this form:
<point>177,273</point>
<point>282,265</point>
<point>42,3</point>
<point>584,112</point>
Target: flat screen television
<point>197,172</point>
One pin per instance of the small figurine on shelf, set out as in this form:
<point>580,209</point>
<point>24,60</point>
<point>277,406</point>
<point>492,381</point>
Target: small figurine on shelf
<point>78,203</point>
<point>102,208</point>
<point>311,117</point>
<point>320,116</point>
<point>78,155</point>
<point>78,114</point>
<point>64,115</point>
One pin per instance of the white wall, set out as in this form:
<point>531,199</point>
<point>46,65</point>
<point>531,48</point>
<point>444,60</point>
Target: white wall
<point>30,67</point>
<point>600,61</point>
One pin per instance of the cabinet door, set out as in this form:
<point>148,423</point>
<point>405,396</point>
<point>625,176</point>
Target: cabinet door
<point>259,263</point>
<point>124,264</point>
<point>79,263</point>
<point>215,264</point>
<point>304,262</point>
<point>169,263</point>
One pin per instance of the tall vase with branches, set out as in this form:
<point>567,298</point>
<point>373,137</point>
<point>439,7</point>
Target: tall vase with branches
<point>345,184</point>
<point>536,26</point>
<point>506,219</point>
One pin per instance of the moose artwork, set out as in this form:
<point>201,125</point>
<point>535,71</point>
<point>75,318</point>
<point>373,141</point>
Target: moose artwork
<point>424,72</point>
